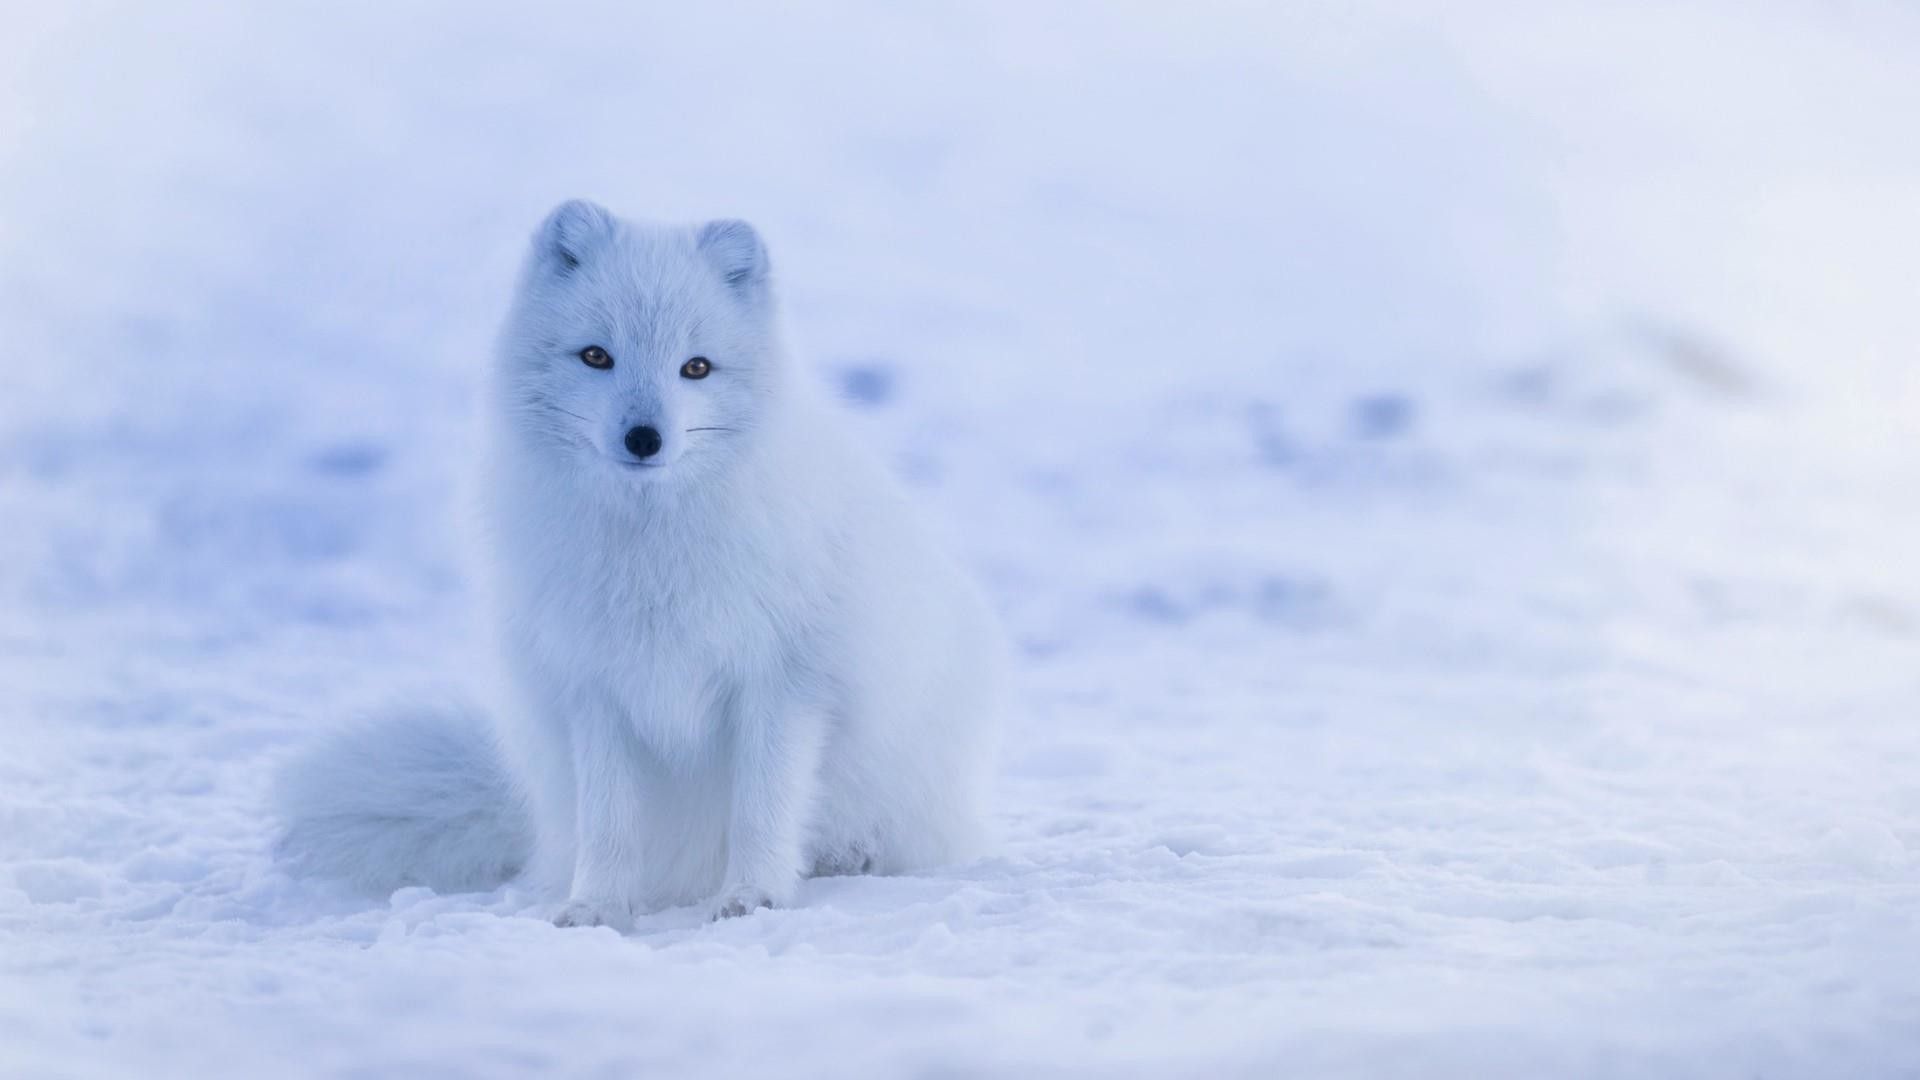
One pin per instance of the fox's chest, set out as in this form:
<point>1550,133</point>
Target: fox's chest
<point>667,641</point>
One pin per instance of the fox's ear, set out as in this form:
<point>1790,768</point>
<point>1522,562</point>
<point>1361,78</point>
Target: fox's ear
<point>735,250</point>
<point>571,233</point>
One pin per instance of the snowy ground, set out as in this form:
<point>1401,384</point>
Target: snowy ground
<point>1451,478</point>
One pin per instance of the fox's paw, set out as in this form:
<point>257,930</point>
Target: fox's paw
<point>611,913</point>
<point>842,863</point>
<point>740,900</point>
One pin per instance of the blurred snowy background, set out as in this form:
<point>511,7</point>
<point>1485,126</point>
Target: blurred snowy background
<point>1450,471</point>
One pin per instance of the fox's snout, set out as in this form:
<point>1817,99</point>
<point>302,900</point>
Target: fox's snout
<point>643,442</point>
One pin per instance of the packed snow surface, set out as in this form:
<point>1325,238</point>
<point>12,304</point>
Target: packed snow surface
<point>1449,472</point>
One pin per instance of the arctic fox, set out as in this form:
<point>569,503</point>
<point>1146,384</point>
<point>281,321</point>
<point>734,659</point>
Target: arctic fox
<point>730,658</point>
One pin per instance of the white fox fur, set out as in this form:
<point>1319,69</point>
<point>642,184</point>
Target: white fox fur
<point>726,666</point>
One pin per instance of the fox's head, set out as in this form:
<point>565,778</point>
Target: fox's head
<point>648,351</point>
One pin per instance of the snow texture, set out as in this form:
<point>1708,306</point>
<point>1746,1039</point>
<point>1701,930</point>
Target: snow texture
<point>1449,473</point>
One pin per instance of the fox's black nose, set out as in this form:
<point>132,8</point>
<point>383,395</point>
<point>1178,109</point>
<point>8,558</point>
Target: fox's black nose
<point>643,442</point>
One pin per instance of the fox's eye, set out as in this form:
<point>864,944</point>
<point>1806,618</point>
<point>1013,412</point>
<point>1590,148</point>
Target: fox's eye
<point>696,368</point>
<point>596,357</point>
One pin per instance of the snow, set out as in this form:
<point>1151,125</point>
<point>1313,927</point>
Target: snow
<point>1449,475</point>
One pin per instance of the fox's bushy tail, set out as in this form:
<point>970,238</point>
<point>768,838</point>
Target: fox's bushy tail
<point>417,796</point>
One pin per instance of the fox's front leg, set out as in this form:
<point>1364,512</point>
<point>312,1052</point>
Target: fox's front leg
<point>776,762</point>
<point>607,766</point>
